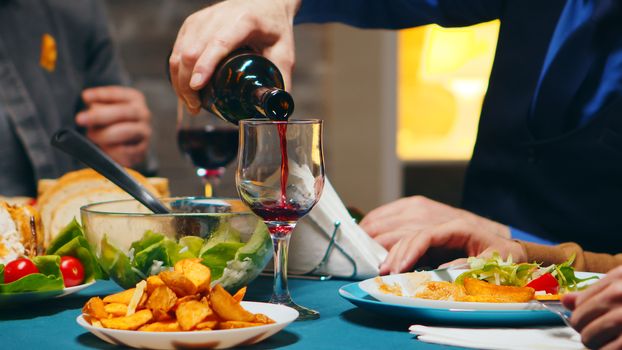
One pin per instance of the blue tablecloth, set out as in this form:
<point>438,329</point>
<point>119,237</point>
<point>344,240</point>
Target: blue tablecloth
<point>52,325</point>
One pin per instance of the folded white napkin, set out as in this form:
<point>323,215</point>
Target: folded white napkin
<point>353,255</point>
<point>549,338</point>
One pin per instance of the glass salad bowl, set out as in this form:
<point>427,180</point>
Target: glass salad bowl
<point>132,243</point>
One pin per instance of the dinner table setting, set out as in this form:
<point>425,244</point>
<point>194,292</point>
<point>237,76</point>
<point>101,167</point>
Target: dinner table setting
<point>207,272</point>
<point>52,324</point>
<point>105,258</point>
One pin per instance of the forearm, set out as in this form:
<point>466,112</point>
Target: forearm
<point>397,14</point>
<point>584,261</point>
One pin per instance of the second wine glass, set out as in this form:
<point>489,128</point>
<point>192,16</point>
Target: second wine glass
<point>280,176</point>
<point>210,142</point>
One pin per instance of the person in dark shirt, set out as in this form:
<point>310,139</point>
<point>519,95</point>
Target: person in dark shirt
<point>548,155</point>
<point>58,68</point>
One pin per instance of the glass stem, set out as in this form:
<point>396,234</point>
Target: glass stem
<point>209,190</point>
<point>280,241</point>
<point>211,178</point>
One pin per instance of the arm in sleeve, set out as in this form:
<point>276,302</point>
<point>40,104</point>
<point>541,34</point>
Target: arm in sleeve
<point>398,14</point>
<point>519,234</point>
<point>584,261</point>
<point>103,66</point>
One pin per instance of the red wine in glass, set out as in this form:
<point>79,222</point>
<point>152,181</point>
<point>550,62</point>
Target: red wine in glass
<point>208,147</point>
<point>280,212</point>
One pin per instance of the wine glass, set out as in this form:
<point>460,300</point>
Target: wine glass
<point>210,142</point>
<point>280,176</point>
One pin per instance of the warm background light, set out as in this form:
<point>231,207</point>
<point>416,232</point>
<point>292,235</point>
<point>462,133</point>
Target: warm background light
<point>442,78</point>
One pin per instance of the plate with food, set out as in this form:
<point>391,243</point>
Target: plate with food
<point>31,270</point>
<point>180,308</point>
<point>491,291</point>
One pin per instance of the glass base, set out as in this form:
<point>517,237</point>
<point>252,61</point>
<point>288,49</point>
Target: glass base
<point>304,313</point>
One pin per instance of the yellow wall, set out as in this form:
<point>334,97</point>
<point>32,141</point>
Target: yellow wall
<point>442,78</point>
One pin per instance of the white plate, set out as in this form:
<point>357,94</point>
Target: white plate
<point>28,297</point>
<point>371,287</point>
<point>218,339</point>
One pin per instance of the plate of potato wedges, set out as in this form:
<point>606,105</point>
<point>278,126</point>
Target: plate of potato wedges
<point>180,308</point>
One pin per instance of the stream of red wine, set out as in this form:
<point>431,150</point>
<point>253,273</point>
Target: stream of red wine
<point>282,127</point>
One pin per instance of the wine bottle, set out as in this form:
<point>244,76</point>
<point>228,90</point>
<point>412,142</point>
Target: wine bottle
<point>247,85</point>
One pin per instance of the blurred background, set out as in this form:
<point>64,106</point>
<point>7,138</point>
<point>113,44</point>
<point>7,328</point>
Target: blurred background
<point>400,108</point>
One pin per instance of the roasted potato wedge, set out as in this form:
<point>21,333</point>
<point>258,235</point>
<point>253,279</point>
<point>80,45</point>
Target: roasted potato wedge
<point>153,282</point>
<point>95,308</point>
<point>227,308</point>
<point>178,283</point>
<point>165,326</point>
<point>185,299</point>
<point>161,301</point>
<point>191,313</point>
<point>123,297</point>
<point>208,323</point>
<point>196,272</point>
<point>132,322</point>
<point>239,295</point>
<point>116,309</point>
<point>261,318</point>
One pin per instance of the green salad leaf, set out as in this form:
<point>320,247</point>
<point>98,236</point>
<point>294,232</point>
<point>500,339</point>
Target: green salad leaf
<point>565,275</point>
<point>71,231</point>
<point>504,272</point>
<point>249,260</point>
<point>117,264</point>
<point>71,241</point>
<point>498,271</point>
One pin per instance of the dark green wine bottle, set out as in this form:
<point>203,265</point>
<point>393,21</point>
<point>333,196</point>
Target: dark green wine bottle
<point>247,85</point>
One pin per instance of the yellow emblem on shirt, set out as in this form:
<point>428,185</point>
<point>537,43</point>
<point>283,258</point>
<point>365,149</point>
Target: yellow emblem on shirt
<point>48,53</point>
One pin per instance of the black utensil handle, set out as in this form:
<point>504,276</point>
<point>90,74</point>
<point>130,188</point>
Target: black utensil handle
<point>78,146</point>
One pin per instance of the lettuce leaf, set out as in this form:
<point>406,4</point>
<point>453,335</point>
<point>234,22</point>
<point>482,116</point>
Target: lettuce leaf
<point>70,232</point>
<point>565,275</point>
<point>498,271</point>
<point>118,265</point>
<point>72,241</point>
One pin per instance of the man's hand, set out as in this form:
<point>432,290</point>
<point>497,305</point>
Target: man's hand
<point>391,222</point>
<point>438,242</point>
<point>209,35</point>
<point>118,121</point>
<point>597,312</point>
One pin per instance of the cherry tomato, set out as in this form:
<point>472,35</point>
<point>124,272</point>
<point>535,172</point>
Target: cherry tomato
<point>72,270</point>
<point>546,282</point>
<point>18,268</point>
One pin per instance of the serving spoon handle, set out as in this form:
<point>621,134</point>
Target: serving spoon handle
<point>78,146</point>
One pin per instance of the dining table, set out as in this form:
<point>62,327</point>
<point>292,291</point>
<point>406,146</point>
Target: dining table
<point>51,324</point>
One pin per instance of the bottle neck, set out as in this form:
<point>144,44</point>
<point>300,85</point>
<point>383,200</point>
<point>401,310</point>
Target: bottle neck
<point>273,103</point>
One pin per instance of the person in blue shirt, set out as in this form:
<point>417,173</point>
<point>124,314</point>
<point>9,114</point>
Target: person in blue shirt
<point>548,155</point>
